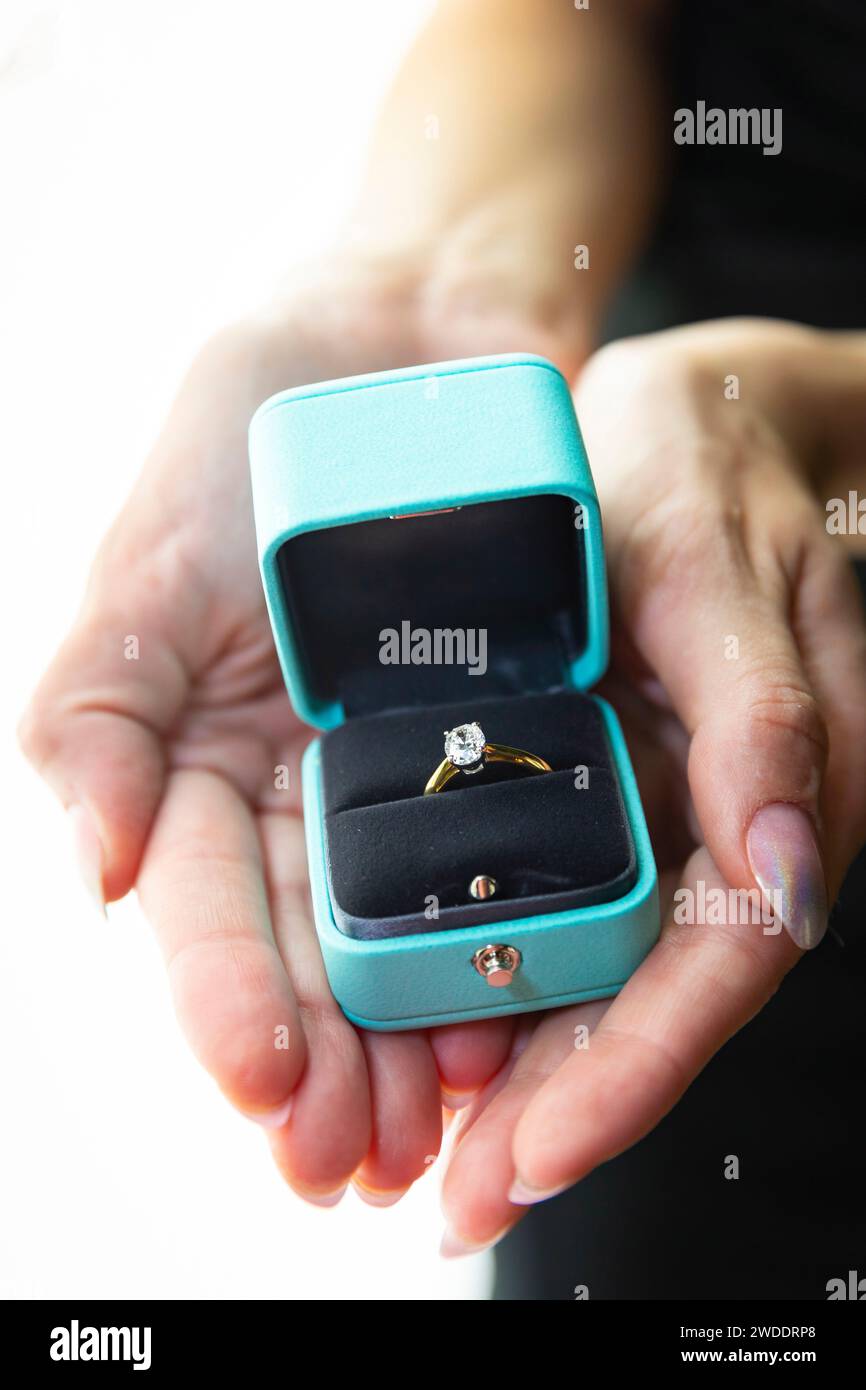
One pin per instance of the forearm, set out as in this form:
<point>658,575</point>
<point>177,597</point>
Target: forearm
<point>515,131</point>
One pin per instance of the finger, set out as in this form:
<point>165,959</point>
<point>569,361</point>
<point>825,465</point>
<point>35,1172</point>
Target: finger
<point>698,986</point>
<point>714,624</point>
<point>467,1055</point>
<point>480,1168</point>
<point>407,1115</point>
<point>329,1131</point>
<point>202,888</point>
<point>659,749</point>
<point>94,725</point>
<point>831,632</point>
<point>553,1121</point>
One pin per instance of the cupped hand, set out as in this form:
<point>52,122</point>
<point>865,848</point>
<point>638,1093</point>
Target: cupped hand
<point>739,671</point>
<point>163,725</point>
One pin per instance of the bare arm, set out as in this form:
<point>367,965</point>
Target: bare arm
<point>515,131</point>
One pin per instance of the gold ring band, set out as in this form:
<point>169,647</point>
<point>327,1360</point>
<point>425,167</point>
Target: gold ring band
<point>467,750</point>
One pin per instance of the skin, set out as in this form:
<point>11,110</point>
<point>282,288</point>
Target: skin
<point>170,762</point>
<point>711,529</point>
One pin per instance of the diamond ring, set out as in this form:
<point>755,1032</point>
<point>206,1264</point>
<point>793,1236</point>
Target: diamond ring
<point>467,750</point>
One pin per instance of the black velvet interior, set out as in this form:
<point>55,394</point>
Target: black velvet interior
<point>548,844</point>
<point>514,568</point>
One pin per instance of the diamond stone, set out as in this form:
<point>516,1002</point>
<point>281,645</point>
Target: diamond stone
<point>465,744</point>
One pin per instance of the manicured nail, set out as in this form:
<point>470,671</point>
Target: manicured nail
<point>522,1195</point>
<point>454,1247</point>
<point>377,1196</point>
<point>88,852</point>
<point>323,1199</point>
<point>271,1119</point>
<point>784,857</point>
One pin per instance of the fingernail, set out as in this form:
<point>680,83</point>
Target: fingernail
<point>456,1100</point>
<point>323,1199</point>
<point>522,1195</point>
<point>454,1247</point>
<point>376,1196</point>
<point>270,1119</point>
<point>784,857</point>
<point>88,852</point>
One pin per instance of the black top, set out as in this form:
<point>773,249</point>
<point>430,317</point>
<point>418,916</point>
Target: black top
<point>742,232</point>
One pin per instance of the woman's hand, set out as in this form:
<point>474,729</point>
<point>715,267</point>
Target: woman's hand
<point>161,725</point>
<point>740,672</point>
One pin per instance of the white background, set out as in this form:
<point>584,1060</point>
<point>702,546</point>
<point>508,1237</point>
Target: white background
<point>162,162</point>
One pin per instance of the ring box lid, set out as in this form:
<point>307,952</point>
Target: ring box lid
<point>419,453</point>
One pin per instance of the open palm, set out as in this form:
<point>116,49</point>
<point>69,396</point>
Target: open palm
<point>164,726</point>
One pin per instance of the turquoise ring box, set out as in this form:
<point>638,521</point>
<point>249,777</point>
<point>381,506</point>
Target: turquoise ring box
<point>431,551</point>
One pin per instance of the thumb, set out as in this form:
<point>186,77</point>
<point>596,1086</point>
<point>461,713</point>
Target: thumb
<point>724,650</point>
<point>94,726</point>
